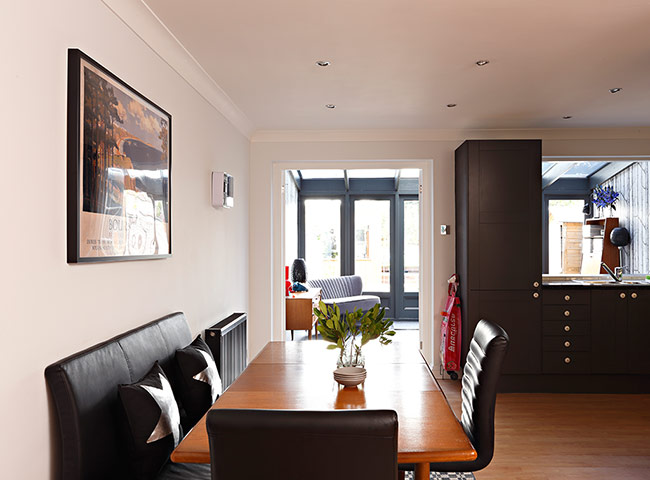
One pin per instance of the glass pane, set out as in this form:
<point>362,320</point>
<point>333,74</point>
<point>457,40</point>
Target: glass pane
<point>411,245</point>
<point>372,173</point>
<point>565,220</point>
<point>372,244</point>
<point>323,238</point>
<point>317,174</point>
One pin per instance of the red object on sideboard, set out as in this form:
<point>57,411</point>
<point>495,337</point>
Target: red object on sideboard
<point>287,283</point>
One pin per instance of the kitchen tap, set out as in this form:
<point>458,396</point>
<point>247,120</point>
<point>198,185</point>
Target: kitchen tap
<point>617,274</point>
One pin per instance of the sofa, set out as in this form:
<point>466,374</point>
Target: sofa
<point>84,390</point>
<point>345,291</point>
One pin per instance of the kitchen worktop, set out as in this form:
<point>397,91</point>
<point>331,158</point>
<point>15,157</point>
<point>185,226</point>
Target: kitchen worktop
<point>568,281</point>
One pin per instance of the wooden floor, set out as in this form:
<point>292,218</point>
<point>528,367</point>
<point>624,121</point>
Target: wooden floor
<point>566,437</point>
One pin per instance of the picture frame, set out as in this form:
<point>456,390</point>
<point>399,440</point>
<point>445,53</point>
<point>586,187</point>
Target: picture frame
<point>119,147</point>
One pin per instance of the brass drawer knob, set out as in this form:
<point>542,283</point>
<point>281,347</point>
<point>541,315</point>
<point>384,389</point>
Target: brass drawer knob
<point>634,295</point>
<point>567,328</point>
<point>567,298</point>
<point>622,295</point>
<point>536,284</point>
<point>567,313</point>
<point>567,344</point>
<point>567,359</point>
<point>535,295</point>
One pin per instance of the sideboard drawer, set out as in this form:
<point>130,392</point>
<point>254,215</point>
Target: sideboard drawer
<point>569,362</point>
<point>565,297</point>
<point>565,312</point>
<point>565,328</point>
<point>567,343</point>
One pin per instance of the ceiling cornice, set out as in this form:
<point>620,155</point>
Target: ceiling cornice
<point>145,24</point>
<point>424,135</point>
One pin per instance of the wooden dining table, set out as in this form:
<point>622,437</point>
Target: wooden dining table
<point>298,376</point>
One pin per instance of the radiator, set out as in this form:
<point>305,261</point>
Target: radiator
<point>227,340</point>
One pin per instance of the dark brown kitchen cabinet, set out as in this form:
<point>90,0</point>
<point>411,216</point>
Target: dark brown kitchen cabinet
<point>638,324</point>
<point>620,323</point>
<point>499,243</point>
<point>519,315</point>
<point>609,330</point>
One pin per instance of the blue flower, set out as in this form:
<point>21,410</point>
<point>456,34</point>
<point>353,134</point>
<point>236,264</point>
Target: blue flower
<point>605,197</point>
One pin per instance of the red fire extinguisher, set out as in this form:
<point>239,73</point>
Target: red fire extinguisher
<point>450,330</point>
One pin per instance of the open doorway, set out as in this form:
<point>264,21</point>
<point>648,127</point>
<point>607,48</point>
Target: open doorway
<point>356,222</point>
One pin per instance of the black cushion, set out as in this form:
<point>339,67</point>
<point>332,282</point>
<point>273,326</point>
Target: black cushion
<point>153,424</point>
<point>84,391</point>
<point>299,445</point>
<point>200,384</point>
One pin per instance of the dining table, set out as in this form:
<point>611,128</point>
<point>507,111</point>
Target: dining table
<point>299,376</point>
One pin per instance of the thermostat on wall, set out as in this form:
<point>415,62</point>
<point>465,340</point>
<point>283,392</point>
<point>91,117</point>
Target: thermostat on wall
<point>223,193</point>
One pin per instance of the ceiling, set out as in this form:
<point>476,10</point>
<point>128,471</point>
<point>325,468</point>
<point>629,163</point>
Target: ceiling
<point>396,64</point>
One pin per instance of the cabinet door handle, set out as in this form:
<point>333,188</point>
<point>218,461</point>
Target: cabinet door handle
<point>567,328</point>
<point>567,344</point>
<point>536,284</point>
<point>567,298</point>
<point>622,295</point>
<point>535,295</point>
<point>567,359</point>
<point>634,295</point>
<point>567,313</point>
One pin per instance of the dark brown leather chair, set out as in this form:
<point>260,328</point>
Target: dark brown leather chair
<point>487,350</point>
<point>299,445</point>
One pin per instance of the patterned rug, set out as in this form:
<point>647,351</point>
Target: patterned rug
<point>445,476</point>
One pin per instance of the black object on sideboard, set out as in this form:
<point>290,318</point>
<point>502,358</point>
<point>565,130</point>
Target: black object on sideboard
<point>228,342</point>
<point>498,260</point>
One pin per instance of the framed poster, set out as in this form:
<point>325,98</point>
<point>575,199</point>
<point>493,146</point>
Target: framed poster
<point>119,168</point>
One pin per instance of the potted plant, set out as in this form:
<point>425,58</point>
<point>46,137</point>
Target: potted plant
<point>351,331</point>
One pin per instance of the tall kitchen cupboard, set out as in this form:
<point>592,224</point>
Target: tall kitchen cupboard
<point>499,244</point>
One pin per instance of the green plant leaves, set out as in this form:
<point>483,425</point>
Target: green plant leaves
<point>339,330</point>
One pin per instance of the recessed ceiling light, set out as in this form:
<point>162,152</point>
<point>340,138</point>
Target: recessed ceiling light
<point>323,63</point>
<point>482,63</point>
<point>330,105</point>
<point>451,105</point>
<point>566,117</point>
<point>615,90</point>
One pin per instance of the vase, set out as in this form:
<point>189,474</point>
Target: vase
<point>351,356</point>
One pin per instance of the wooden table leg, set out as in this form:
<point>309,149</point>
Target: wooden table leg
<point>309,334</point>
<point>422,471</point>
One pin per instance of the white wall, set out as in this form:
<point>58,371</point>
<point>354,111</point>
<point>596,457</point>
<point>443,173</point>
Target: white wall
<point>269,148</point>
<point>51,309</point>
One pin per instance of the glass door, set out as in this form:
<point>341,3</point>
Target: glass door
<point>373,225</point>
<point>407,298</point>
<point>322,237</point>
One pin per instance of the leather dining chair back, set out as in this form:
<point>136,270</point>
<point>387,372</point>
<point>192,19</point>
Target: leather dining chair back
<point>481,373</point>
<point>296,445</point>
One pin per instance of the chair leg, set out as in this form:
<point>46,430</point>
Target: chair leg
<point>401,474</point>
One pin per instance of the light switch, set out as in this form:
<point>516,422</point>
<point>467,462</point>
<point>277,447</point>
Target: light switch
<point>444,229</point>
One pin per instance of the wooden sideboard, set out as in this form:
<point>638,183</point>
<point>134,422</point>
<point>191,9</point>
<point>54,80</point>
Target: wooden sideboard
<point>300,311</point>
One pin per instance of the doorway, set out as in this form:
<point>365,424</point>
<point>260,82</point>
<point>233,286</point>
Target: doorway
<point>363,222</point>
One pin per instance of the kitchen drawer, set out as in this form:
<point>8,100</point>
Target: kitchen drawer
<point>566,362</point>
<point>567,343</point>
<point>566,328</point>
<point>565,312</point>
<point>565,297</point>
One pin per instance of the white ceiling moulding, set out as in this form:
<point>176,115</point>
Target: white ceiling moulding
<point>429,135</point>
<point>145,24</point>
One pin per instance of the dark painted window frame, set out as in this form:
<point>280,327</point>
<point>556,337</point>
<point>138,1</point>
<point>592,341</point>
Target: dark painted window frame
<point>362,189</point>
